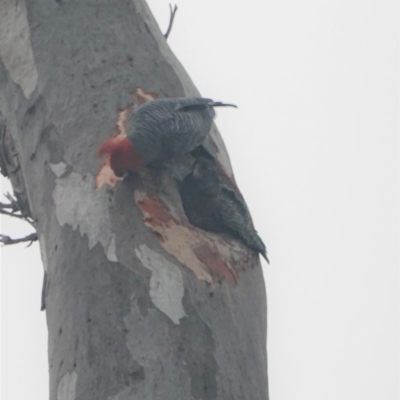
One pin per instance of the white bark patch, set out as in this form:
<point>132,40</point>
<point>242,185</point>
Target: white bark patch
<point>67,386</point>
<point>59,169</point>
<point>15,45</point>
<point>79,204</point>
<point>111,251</point>
<point>43,252</point>
<point>166,283</point>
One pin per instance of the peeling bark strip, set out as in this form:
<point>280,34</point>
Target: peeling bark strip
<point>201,252</point>
<point>139,304</point>
<point>166,283</point>
<point>15,50</point>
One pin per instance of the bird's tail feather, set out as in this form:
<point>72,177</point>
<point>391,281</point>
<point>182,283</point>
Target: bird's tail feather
<point>200,106</point>
<point>220,104</point>
<point>254,241</point>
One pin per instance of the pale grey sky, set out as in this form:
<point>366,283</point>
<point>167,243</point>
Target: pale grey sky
<point>314,147</point>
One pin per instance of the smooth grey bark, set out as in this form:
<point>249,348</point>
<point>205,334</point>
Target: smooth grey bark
<point>127,319</point>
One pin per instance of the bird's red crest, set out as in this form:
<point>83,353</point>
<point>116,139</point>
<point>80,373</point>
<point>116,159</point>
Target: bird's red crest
<point>122,155</point>
<point>109,146</point>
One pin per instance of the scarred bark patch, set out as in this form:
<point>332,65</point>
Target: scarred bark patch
<point>205,254</point>
<point>209,257</point>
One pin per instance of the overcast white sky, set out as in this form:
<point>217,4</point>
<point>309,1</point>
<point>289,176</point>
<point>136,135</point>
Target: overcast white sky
<point>314,146</point>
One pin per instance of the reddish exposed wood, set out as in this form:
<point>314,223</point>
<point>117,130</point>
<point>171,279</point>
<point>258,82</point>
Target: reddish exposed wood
<point>156,213</point>
<point>219,266</point>
<point>141,97</point>
<point>204,253</point>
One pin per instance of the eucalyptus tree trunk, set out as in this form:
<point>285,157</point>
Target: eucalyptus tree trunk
<point>139,303</point>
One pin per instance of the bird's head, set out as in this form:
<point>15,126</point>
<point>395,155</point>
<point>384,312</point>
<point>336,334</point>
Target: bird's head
<point>204,171</point>
<point>122,154</point>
